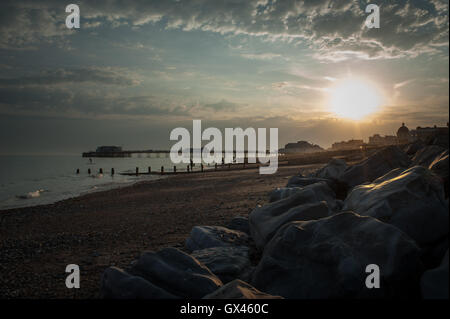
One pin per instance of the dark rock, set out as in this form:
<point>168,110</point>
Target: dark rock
<point>413,147</point>
<point>214,236</point>
<point>240,223</point>
<point>327,258</point>
<point>237,289</point>
<point>427,155</point>
<point>282,193</point>
<point>265,221</point>
<point>333,170</point>
<point>176,272</point>
<point>412,200</point>
<point>227,263</point>
<point>375,166</point>
<point>440,167</point>
<point>434,283</point>
<point>117,284</point>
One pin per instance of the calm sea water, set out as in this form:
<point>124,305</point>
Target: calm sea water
<point>36,180</point>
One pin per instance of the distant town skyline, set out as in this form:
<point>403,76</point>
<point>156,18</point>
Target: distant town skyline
<point>136,70</point>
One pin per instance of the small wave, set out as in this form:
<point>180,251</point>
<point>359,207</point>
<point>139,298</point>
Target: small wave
<point>31,194</point>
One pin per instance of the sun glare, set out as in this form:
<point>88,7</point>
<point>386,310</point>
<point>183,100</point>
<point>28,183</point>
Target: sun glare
<point>354,99</point>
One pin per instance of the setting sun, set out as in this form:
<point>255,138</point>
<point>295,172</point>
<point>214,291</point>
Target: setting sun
<point>354,99</point>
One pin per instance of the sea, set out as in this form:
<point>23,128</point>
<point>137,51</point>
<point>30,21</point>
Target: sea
<point>43,179</point>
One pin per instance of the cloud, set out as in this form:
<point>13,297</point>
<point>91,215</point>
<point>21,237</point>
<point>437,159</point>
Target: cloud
<point>333,27</point>
<point>109,76</point>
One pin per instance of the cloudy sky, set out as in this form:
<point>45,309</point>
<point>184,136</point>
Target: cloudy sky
<point>137,69</point>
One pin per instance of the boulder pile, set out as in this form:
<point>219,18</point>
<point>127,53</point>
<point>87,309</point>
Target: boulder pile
<point>375,229</point>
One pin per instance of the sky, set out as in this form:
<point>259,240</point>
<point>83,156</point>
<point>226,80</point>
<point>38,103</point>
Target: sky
<point>135,70</point>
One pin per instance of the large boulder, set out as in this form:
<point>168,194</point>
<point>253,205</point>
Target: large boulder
<point>238,289</point>
<point>434,283</point>
<point>117,284</point>
<point>440,167</point>
<point>333,170</point>
<point>282,192</point>
<point>412,200</point>
<point>176,272</point>
<point>427,155</point>
<point>413,147</point>
<point>227,263</point>
<point>328,258</point>
<point>375,166</point>
<point>265,220</point>
<point>240,223</point>
<point>214,236</point>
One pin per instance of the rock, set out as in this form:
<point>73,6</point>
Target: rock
<point>283,192</point>
<point>412,200</point>
<point>117,284</point>
<point>214,236</point>
<point>300,181</point>
<point>434,283</point>
<point>237,289</point>
<point>227,263</point>
<point>333,170</point>
<point>327,258</point>
<point>176,272</point>
<point>427,155</point>
<point>308,204</point>
<point>412,148</point>
<point>440,167</point>
<point>375,166</point>
<point>240,223</point>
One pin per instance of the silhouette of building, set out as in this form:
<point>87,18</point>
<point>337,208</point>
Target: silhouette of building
<point>378,140</point>
<point>424,133</point>
<point>301,147</point>
<point>347,145</point>
<point>108,149</point>
<point>403,135</point>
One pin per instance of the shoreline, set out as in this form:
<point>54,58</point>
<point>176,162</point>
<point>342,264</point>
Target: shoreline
<point>112,227</point>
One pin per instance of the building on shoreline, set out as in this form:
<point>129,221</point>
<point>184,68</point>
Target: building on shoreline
<point>108,149</point>
<point>301,147</point>
<point>424,133</point>
<point>378,140</point>
<point>347,145</point>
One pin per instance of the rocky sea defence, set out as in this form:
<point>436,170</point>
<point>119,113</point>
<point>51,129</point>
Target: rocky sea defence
<point>316,238</point>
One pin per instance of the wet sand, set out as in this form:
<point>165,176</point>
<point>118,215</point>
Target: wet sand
<point>113,227</point>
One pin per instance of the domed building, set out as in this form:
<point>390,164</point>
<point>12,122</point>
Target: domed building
<point>403,134</point>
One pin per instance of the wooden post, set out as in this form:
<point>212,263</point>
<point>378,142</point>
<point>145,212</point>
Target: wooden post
<point>137,171</point>
<point>174,169</point>
<point>201,167</point>
<point>149,169</point>
<point>100,171</point>
<point>112,171</point>
<point>89,171</point>
<point>187,169</point>
<point>78,171</point>
<point>162,170</point>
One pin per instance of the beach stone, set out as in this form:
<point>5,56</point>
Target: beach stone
<point>434,283</point>
<point>238,289</point>
<point>300,181</point>
<point>412,148</point>
<point>427,155</point>
<point>440,167</point>
<point>240,223</point>
<point>375,166</point>
<point>333,170</point>
<point>282,192</point>
<point>117,284</point>
<point>411,199</point>
<point>308,204</point>
<point>227,263</point>
<point>202,237</point>
<point>327,258</point>
<point>176,272</point>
